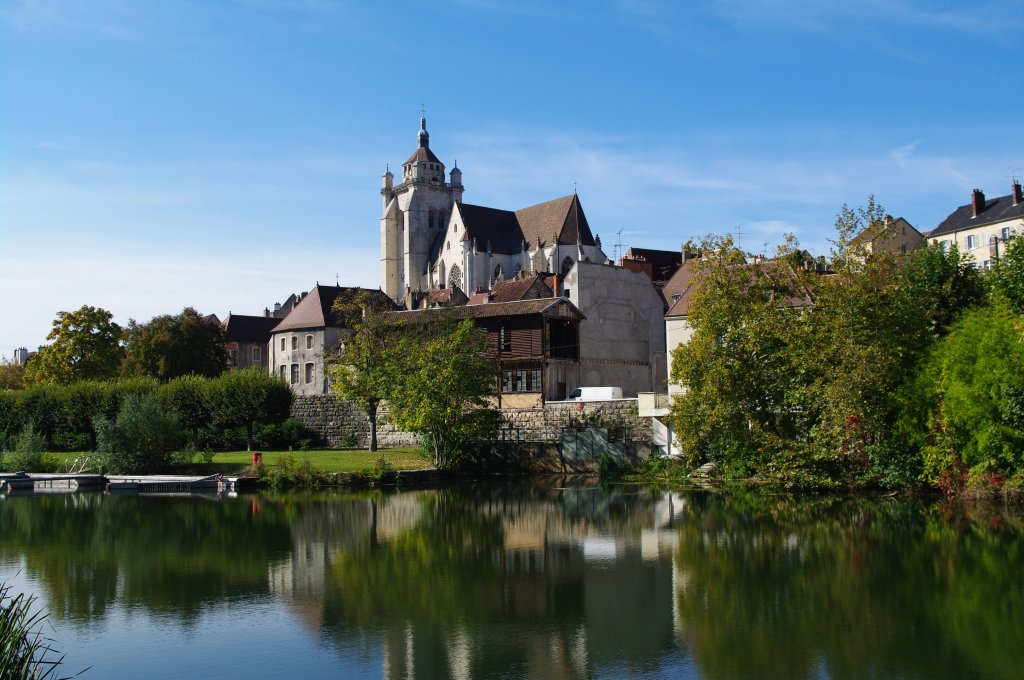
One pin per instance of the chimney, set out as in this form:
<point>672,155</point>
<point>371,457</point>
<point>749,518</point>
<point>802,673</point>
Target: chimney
<point>554,287</point>
<point>977,202</point>
<point>1018,198</point>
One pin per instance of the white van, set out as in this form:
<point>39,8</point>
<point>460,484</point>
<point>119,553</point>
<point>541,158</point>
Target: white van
<point>595,394</point>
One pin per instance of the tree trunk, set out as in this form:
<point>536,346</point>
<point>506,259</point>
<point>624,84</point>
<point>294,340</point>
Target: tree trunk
<point>372,414</point>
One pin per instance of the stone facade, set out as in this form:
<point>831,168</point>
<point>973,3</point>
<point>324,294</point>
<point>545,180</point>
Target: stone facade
<point>338,421</point>
<point>622,340</point>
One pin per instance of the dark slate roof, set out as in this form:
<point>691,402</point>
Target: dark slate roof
<point>500,228</point>
<point>506,230</point>
<point>316,309</point>
<point>423,153</point>
<point>996,210</point>
<point>243,328</point>
<point>664,263</point>
<point>496,309</point>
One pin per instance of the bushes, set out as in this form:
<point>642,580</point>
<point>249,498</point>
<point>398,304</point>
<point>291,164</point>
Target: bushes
<point>27,454</point>
<point>208,410</point>
<point>141,438</point>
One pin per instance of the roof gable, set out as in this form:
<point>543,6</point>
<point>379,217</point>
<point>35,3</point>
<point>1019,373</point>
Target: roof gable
<point>504,231</point>
<point>316,310</point>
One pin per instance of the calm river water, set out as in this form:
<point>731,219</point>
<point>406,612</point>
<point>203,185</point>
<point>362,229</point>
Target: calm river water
<point>522,581</point>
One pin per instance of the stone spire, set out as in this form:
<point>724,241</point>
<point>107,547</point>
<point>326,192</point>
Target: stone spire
<point>423,137</point>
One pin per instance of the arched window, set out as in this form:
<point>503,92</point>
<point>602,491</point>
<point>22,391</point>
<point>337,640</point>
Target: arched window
<point>519,268</point>
<point>440,275</point>
<point>455,277</point>
<point>566,265</point>
<point>499,273</point>
<point>432,219</point>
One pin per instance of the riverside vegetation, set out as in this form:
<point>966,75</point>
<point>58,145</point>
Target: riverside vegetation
<point>891,371</point>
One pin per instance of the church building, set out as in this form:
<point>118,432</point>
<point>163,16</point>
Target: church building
<point>431,240</point>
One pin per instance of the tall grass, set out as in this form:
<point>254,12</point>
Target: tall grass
<point>24,651</point>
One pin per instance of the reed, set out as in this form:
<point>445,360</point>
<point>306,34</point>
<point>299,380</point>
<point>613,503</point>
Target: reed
<point>24,651</point>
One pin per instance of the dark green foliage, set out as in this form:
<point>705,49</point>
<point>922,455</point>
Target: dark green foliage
<point>441,378</point>
<point>1007,278</point>
<point>65,415</point>
<point>187,398</point>
<point>974,388</point>
<point>852,390</point>
<point>247,397</point>
<point>141,438</point>
<point>175,345</point>
<point>27,453</point>
<point>940,284</point>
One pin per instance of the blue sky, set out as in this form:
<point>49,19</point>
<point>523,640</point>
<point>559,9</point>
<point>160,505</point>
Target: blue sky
<point>222,155</point>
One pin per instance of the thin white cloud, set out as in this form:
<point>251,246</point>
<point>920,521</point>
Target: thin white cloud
<point>140,284</point>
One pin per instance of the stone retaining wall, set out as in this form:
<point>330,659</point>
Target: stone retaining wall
<point>342,422</point>
<point>546,424</point>
<point>530,438</point>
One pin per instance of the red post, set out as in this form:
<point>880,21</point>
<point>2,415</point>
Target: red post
<point>257,458</point>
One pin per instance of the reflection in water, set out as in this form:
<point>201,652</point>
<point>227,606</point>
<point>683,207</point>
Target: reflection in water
<point>517,580</point>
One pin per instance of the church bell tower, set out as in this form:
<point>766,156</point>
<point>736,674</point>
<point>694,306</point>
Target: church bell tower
<point>415,212</point>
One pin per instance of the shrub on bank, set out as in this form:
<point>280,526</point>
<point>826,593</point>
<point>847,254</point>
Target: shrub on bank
<point>27,453</point>
<point>141,439</point>
<point>65,414</point>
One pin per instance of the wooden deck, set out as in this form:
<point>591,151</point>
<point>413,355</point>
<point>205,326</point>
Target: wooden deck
<point>69,483</point>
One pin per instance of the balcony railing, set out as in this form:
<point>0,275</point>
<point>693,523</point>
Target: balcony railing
<point>653,403</point>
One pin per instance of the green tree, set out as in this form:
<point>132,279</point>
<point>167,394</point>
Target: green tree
<point>441,379</point>
<point>249,396</point>
<point>1007,277</point>
<point>86,345</point>
<point>140,439</point>
<point>174,345</point>
<point>735,366</point>
<point>974,386</point>
<point>186,397</point>
<point>941,283</point>
<point>362,373</point>
<point>12,375</point>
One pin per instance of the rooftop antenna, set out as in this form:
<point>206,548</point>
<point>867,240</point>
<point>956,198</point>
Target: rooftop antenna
<point>739,235</point>
<point>618,246</point>
<point>574,188</point>
<point>1013,172</point>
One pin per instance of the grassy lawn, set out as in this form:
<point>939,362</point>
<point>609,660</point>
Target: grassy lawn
<point>327,460</point>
